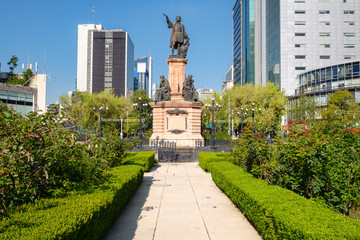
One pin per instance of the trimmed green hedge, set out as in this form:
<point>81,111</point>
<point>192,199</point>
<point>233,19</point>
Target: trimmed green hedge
<point>205,158</point>
<point>278,213</point>
<point>143,159</point>
<point>86,214</point>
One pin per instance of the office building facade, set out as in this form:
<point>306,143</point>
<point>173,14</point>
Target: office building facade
<point>318,83</point>
<point>247,45</point>
<point>143,74</point>
<point>105,60</point>
<point>298,35</point>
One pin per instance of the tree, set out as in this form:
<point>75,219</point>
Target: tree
<point>83,110</point>
<point>343,102</point>
<point>13,62</point>
<point>268,98</point>
<point>303,108</point>
<point>145,114</point>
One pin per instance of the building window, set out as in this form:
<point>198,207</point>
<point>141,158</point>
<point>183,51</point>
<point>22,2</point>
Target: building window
<point>349,12</point>
<point>300,68</point>
<point>349,57</point>
<point>300,56</point>
<point>325,23</point>
<point>324,57</point>
<point>349,46</point>
<point>299,1</point>
<point>324,45</point>
<point>324,12</point>
<point>300,11</point>
<point>300,34</point>
<point>300,23</point>
<point>349,34</point>
<point>349,23</point>
<point>300,45</point>
<point>348,1</point>
<point>324,1</point>
<point>324,34</point>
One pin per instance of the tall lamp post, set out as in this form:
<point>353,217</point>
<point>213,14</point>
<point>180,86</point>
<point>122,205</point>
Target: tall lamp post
<point>101,110</point>
<point>141,107</point>
<point>213,108</point>
<point>242,114</point>
<point>254,111</point>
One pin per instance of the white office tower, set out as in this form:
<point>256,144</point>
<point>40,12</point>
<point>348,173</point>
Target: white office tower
<point>84,56</point>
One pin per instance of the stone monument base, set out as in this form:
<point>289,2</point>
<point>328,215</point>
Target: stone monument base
<point>177,121</point>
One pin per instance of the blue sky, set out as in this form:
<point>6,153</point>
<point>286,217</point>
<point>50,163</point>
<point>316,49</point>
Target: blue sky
<point>32,28</point>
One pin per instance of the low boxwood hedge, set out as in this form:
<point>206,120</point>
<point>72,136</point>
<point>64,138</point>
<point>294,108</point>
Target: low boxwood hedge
<point>143,159</point>
<point>85,214</point>
<point>278,213</point>
<point>205,158</point>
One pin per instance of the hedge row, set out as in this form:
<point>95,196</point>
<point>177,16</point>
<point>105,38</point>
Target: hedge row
<point>205,158</point>
<point>278,213</point>
<point>86,214</point>
<point>143,159</point>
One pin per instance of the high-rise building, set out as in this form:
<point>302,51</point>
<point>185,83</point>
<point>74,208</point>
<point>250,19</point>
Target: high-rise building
<point>105,60</point>
<point>229,80</point>
<point>143,74</point>
<point>247,34</point>
<point>295,36</point>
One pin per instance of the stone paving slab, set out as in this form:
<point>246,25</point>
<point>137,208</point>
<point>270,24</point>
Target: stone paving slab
<point>179,201</point>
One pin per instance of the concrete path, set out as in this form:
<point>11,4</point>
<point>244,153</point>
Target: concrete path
<point>179,201</point>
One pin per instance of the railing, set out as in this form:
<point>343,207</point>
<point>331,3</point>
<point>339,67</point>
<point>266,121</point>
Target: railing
<point>158,143</point>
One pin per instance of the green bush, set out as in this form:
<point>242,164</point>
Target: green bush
<point>38,155</point>
<point>322,163</point>
<point>143,159</point>
<point>85,214</point>
<point>278,213</point>
<point>205,158</point>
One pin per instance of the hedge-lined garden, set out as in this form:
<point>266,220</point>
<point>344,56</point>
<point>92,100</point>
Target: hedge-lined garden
<point>53,187</point>
<point>277,213</point>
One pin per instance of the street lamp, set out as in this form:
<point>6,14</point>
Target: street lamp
<point>253,114</point>
<point>213,108</point>
<point>242,114</point>
<point>141,107</point>
<point>101,110</point>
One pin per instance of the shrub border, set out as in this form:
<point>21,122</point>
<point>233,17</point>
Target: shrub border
<point>81,215</point>
<point>278,213</point>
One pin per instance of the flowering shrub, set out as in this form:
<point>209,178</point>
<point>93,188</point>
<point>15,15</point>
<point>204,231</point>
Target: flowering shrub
<point>323,164</point>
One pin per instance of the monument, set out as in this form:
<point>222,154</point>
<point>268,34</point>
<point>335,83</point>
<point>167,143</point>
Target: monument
<point>177,109</point>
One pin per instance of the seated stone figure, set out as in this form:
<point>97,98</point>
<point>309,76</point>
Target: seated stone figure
<point>190,93</point>
<point>163,93</point>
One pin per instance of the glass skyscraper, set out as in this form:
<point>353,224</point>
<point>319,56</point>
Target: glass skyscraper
<point>286,38</point>
<point>143,74</point>
<point>247,41</point>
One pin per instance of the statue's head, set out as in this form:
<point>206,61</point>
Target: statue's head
<point>178,19</point>
<point>190,76</point>
<point>162,77</point>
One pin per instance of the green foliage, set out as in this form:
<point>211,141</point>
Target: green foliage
<point>322,164</point>
<point>344,102</point>
<point>145,113</point>
<point>83,110</point>
<point>143,159</point>
<point>85,214</point>
<point>206,158</point>
<point>278,213</point>
<point>267,97</point>
<point>13,63</point>
<point>39,155</point>
<point>303,108</point>
<point>220,135</point>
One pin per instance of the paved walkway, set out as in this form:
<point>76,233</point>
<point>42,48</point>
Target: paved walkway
<point>179,201</point>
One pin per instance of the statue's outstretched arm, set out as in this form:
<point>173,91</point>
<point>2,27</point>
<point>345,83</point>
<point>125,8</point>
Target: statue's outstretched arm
<point>168,21</point>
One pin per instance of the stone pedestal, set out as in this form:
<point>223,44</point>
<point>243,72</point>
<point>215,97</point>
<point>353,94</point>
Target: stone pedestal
<point>177,120</point>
